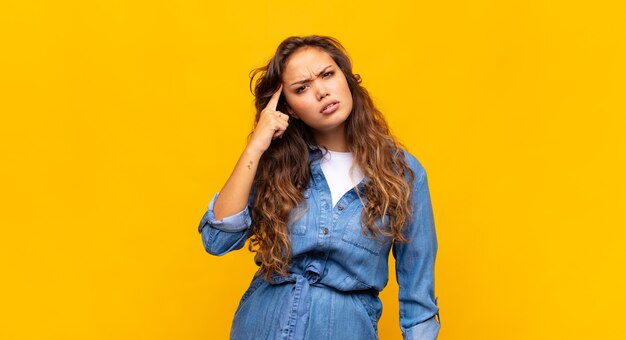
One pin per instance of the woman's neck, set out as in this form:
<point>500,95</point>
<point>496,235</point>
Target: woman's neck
<point>334,140</point>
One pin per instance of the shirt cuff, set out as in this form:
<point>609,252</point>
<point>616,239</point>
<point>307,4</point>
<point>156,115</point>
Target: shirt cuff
<point>231,224</point>
<point>427,330</point>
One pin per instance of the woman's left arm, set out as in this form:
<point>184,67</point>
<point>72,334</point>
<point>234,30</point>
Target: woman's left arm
<point>415,264</point>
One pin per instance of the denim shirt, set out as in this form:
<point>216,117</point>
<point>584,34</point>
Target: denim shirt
<point>329,249</point>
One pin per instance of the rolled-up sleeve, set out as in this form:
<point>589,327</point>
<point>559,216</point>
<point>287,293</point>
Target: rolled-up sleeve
<point>415,262</point>
<point>230,233</point>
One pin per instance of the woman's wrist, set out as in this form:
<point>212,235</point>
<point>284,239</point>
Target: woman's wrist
<point>253,152</point>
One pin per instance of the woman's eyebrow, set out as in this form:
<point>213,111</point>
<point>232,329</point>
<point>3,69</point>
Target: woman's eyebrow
<point>309,79</point>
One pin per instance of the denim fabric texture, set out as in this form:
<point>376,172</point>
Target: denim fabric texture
<point>336,272</point>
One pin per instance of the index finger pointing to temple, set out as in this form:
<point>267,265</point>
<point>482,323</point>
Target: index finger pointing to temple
<point>274,100</point>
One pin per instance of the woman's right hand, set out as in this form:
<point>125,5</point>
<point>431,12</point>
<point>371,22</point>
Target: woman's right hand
<point>271,125</point>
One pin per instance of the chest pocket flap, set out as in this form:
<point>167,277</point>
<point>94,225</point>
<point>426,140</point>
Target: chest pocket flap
<point>353,235</point>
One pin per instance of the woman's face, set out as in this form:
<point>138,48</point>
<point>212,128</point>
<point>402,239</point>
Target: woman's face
<point>316,90</point>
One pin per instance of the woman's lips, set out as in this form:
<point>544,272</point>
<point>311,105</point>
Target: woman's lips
<point>330,108</point>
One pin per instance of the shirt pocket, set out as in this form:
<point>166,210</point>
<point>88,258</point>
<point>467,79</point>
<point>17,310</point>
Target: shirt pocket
<point>299,217</point>
<point>353,235</point>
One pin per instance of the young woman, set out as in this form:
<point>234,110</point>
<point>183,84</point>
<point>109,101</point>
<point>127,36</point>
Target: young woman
<point>324,192</point>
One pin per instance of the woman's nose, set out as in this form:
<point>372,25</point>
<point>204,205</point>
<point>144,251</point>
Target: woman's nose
<point>321,92</point>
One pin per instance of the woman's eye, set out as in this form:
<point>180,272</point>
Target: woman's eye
<point>328,74</point>
<point>300,89</point>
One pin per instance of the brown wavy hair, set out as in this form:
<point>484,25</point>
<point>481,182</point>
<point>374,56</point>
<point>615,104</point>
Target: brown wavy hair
<point>283,171</point>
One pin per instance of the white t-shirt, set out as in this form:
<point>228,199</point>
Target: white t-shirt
<point>336,168</point>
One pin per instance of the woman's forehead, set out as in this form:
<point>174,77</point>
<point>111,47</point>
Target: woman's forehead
<point>307,61</point>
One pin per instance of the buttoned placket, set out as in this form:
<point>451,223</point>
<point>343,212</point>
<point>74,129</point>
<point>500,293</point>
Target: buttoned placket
<point>329,215</point>
<point>325,221</point>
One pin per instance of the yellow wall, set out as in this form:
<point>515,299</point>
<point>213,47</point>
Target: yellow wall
<point>121,119</point>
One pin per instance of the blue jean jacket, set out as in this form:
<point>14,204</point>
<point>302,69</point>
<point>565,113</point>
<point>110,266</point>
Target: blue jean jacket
<point>329,250</point>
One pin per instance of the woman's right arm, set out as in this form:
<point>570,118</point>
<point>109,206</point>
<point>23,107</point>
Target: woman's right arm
<point>225,225</point>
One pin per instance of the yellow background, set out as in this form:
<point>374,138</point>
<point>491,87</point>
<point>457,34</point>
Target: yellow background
<point>121,119</point>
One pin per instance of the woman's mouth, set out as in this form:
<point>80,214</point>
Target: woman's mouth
<point>330,108</point>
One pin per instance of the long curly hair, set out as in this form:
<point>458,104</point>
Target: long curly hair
<point>283,171</point>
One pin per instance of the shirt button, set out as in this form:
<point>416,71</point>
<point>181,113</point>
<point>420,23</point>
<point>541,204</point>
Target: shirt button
<point>325,231</point>
<point>340,207</point>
